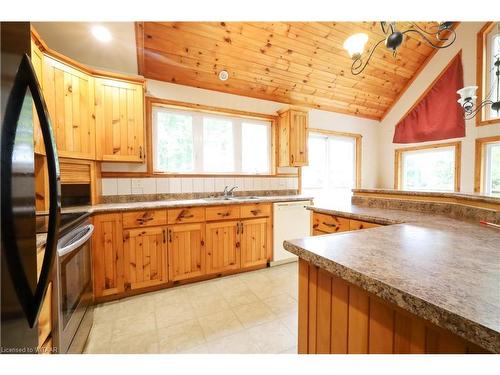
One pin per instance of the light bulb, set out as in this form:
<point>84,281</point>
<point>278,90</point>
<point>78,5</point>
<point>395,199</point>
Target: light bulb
<point>355,44</point>
<point>101,33</point>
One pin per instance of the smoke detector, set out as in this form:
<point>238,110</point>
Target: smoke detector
<point>223,75</point>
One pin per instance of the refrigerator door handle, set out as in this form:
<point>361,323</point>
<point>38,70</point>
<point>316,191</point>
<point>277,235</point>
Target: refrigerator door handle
<point>26,78</point>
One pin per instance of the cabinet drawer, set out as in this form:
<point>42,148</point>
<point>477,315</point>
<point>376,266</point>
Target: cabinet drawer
<point>330,223</point>
<point>356,224</point>
<point>318,232</point>
<point>144,218</point>
<point>255,210</point>
<point>222,213</point>
<point>186,215</point>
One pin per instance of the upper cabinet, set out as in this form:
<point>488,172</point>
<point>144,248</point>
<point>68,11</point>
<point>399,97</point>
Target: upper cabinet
<point>69,94</point>
<point>292,138</point>
<point>95,115</point>
<point>119,120</point>
<point>37,62</point>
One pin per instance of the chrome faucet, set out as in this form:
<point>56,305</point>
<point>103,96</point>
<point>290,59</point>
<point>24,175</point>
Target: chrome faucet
<point>229,193</point>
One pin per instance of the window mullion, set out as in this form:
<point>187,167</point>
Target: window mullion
<point>238,149</point>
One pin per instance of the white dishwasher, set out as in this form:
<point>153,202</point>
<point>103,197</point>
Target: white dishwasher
<point>290,220</point>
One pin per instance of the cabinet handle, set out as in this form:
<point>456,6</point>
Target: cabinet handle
<point>237,228</point>
<point>170,235</point>
<point>329,225</point>
<point>292,158</point>
<point>140,152</point>
<point>242,227</point>
<point>164,239</point>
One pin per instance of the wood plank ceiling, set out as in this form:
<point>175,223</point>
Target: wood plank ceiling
<point>299,63</point>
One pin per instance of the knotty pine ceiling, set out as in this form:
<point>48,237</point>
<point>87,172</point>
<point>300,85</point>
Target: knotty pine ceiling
<point>298,63</point>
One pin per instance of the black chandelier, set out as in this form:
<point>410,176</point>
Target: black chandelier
<point>440,35</point>
<point>468,96</point>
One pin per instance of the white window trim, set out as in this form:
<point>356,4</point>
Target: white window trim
<point>197,123</point>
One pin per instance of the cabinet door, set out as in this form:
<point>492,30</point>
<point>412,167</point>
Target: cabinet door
<point>186,251</point>
<point>222,244</point>
<point>254,240</point>
<point>69,94</point>
<point>284,139</point>
<point>37,61</point>
<point>144,257</point>
<point>298,138</point>
<point>120,120</point>
<point>107,255</point>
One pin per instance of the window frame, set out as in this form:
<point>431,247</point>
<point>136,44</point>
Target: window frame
<point>481,69</point>
<point>358,140</point>
<point>398,162</point>
<point>214,112</point>
<point>480,162</point>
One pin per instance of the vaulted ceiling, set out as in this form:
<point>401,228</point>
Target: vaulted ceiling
<point>299,63</point>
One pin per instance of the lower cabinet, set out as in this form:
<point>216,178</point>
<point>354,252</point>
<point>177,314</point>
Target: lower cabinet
<point>107,255</point>
<point>223,253</point>
<point>254,242</point>
<point>326,224</point>
<point>144,257</point>
<point>139,250</point>
<point>186,251</point>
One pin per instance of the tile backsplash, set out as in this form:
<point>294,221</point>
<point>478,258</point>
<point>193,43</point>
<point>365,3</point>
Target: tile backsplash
<point>187,185</point>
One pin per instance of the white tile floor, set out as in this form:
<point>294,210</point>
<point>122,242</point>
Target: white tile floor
<point>253,312</point>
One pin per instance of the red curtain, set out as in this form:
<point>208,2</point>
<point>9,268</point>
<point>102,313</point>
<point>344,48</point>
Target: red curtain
<point>437,115</point>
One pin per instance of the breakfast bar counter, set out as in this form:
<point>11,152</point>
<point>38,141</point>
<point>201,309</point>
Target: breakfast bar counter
<point>440,272</point>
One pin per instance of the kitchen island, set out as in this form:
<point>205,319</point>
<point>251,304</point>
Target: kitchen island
<point>422,283</point>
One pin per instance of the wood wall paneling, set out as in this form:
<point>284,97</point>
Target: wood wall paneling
<point>338,317</point>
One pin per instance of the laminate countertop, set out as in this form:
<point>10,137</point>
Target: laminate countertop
<point>444,270</point>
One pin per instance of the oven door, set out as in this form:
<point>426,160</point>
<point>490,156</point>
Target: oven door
<point>74,283</point>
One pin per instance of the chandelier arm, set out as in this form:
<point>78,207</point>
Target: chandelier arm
<point>430,42</point>
<point>422,30</point>
<point>358,66</point>
<point>472,113</point>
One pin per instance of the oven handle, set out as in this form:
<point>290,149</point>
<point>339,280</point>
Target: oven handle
<point>75,245</point>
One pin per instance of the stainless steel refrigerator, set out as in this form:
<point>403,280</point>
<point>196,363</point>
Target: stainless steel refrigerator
<point>22,292</point>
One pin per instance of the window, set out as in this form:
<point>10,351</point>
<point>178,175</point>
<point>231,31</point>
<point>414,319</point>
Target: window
<point>333,168</point>
<point>492,169</point>
<point>198,142</point>
<point>435,167</point>
<point>489,37</point>
<point>487,166</point>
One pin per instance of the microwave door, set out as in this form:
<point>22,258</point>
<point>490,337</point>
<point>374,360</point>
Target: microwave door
<point>12,209</point>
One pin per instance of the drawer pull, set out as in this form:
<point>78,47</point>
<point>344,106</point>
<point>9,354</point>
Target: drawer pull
<point>329,225</point>
<point>255,212</point>
<point>182,215</point>
<point>223,214</point>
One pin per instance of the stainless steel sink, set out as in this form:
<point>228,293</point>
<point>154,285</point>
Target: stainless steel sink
<point>222,198</point>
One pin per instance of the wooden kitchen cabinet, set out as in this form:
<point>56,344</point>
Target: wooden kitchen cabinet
<point>326,224</point>
<point>69,94</point>
<point>292,138</point>
<point>37,62</point>
<point>144,257</point>
<point>186,251</point>
<point>107,255</point>
<point>223,253</point>
<point>119,111</point>
<point>254,238</point>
